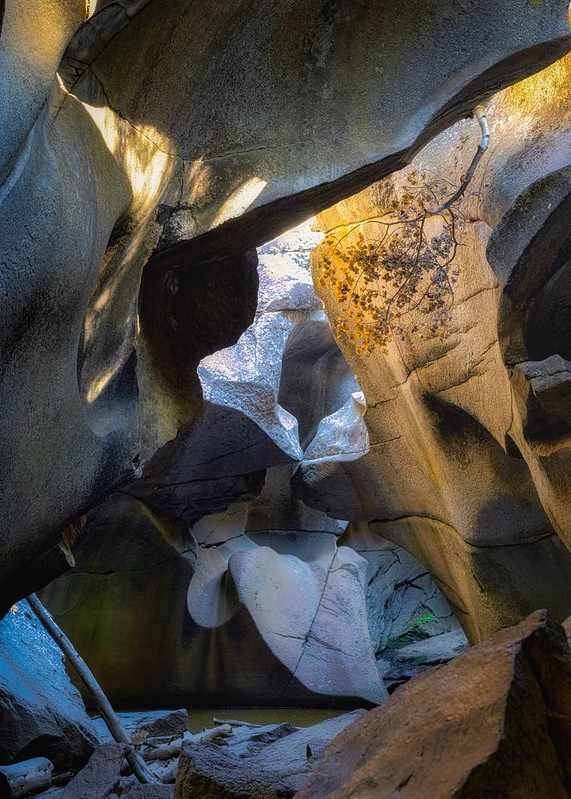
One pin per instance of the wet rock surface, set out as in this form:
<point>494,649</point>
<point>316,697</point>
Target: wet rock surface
<point>494,722</point>
<point>41,713</point>
<point>276,770</point>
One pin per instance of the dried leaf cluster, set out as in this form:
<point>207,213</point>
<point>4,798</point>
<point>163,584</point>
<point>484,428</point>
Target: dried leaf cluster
<point>408,269</point>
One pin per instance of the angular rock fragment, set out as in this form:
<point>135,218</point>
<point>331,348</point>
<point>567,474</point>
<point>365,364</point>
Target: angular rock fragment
<point>544,391</point>
<point>276,772</point>
<point>494,722</point>
<point>100,778</point>
<point>397,664</point>
<point>146,724</point>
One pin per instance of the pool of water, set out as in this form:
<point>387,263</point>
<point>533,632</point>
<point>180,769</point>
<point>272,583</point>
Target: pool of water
<point>201,718</point>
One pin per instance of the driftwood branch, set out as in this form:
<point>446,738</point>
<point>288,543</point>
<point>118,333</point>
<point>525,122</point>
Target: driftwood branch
<point>150,750</point>
<point>140,768</point>
<point>223,731</point>
<point>22,779</point>
<point>480,114</point>
<point>234,723</point>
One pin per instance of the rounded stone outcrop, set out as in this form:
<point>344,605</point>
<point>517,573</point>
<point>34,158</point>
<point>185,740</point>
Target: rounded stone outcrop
<point>172,144</point>
<point>212,570</point>
<point>467,467</point>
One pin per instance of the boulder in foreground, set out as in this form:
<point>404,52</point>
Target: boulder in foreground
<point>41,713</point>
<point>276,772</point>
<point>496,722</point>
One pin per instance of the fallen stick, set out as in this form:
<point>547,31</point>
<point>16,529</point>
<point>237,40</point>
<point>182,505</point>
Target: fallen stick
<point>210,735</point>
<point>29,776</point>
<point>163,751</point>
<point>234,723</point>
<point>140,768</point>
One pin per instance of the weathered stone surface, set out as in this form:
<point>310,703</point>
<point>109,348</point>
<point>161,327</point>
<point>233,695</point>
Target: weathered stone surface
<point>247,741</point>
<point>218,459</point>
<point>41,713</point>
<point>100,778</point>
<point>308,611</point>
<point>544,389</point>
<point>401,661</point>
<point>494,722</point>
<point>151,792</point>
<point>412,625</point>
<point>137,584</point>
<point>146,724</point>
<point>243,153</point>
<point>342,436</point>
<point>276,772</point>
<point>158,143</point>
<point>28,71</point>
<point>467,468</point>
<point>310,633</point>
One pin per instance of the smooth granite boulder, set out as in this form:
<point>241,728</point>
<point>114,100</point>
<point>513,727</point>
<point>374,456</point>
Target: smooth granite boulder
<point>41,713</point>
<point>468,461</point>
<point>172,143</point>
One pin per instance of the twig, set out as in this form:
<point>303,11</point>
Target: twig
<point>234,723</point>
<point>480,114</point>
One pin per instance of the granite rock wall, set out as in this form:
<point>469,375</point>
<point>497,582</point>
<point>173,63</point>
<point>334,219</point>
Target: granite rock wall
<point>173,141</point>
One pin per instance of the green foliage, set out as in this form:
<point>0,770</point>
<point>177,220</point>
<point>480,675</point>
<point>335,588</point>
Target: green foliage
<point>412,635</point>
<point>424,619</point>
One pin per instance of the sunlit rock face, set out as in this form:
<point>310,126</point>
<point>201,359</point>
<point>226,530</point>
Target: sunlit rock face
<point>178,140</point>
<point>210,570</point>
<point>468,467</point>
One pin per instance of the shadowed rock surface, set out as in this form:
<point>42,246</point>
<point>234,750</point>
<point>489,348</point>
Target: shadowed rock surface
<point>261,572</point>
<point>494,722</point>
<point>183,140</point>
<point>277,772</point>
<point>41,713</point>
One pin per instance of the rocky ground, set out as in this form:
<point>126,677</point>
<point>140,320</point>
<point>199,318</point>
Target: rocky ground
<point>493,722</point>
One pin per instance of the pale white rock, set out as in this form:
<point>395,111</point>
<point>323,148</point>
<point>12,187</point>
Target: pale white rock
<point>247,377</point>
<point>343,435</point>
<point>296,606</point>
<point>209,601</point>
<point>285,285</point>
